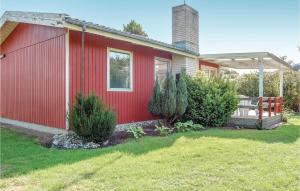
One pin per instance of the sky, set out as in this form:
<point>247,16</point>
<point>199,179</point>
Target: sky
<point>225,25</point>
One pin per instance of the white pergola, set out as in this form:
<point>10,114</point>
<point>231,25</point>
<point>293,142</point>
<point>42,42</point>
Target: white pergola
<point>251,60</point>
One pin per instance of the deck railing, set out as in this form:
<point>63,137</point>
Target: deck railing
<point>272,104</point>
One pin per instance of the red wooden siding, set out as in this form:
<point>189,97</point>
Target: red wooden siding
<point>206,63</point>
<point>129,106</point>
<point>33,75</point>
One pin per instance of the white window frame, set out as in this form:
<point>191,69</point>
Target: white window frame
<point>108,71</point>
<point>169,67</point>
<point>210,70</point>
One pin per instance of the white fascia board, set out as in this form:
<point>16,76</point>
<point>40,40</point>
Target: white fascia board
<point>127,39</point>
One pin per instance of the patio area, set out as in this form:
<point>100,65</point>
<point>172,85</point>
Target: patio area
<point>262,112</point>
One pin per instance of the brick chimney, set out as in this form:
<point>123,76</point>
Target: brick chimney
<point>185,27</point>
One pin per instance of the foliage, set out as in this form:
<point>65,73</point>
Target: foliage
<point>134,28</point>
<point>229,74</point>
<point>162,130</point>
<point>154,105</point>
<point>187,126</point>
<point>211,101</point>
<point>168,101</point>
<point>136,131</point>
<point>248,86</point>
<point>291,90</point>
<point>91,120</point>
<point>181,95</point>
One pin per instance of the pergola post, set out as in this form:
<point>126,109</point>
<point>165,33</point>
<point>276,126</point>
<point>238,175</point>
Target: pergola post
<point>261,78</point>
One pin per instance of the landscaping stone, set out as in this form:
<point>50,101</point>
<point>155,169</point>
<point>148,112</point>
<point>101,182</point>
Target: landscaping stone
<point>72,141</point>
<point>124,127</point>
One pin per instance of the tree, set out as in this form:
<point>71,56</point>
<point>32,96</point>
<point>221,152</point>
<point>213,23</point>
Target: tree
<point>229,74</point>
<point>284,58</point>
<point>248,86</point>
<point>154,105</point>
<point>134,28</point>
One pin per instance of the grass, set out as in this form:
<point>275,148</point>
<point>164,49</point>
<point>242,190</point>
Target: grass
<point>215,159</point>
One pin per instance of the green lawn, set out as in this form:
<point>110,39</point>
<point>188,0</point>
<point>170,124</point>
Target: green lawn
<point>215,159</point>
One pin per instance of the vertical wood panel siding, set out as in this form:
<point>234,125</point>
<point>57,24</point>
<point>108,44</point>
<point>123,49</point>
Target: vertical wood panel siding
<point>33,75</point>
<point>129,106</point>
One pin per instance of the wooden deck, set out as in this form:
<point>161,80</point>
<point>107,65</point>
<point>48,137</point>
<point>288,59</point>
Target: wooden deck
<point>265,115</point>
<point>252,122</point>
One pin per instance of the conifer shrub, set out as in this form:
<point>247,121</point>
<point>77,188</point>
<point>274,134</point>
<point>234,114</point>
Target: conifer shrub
<point>168,98</point>
<point>154,106</point>
<point>181,95</point>
<point>169,101</point>
<point>91,119</point>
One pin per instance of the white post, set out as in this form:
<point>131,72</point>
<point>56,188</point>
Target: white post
<point>67,78</point>
<point>281,82</point>
<point>261,77</point>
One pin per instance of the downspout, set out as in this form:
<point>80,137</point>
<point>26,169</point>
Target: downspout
<point>82,60</point>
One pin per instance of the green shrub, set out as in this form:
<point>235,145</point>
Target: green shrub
<point>91,120</point>
<point>162,130</point>
<point>211,101</point>
<point>187,126</point>
<point>136,131</point>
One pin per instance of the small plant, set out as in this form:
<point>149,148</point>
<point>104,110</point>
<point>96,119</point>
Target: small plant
<point>136,131</point>
<point>162,130</point>
<point>91,119</point>
<point>187,126</point>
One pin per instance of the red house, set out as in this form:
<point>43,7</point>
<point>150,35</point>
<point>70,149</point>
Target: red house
<point>47,58</point>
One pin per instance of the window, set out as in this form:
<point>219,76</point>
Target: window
<point>210,72</point>
<point>213,73</point>
<point>119,69</point>
<point>161,68</point>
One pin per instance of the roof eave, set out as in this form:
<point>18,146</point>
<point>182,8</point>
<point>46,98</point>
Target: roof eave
<point>94,29</point>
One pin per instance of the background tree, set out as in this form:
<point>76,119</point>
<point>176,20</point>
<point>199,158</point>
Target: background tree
<point>229,74</point>
<point>134,28</point>
<point>247,85</point>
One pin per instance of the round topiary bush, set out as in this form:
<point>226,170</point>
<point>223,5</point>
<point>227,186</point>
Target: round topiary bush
<point>211,101</point>
<point>91,119</point>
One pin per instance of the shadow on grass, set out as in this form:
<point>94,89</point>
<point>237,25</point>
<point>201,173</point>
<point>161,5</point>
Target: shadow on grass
<point>21,155</point>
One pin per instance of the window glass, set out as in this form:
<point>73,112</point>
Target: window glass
<point>213,73</point>
<point>161,68</point>
<point>119,70</point>
<point>206,72</point>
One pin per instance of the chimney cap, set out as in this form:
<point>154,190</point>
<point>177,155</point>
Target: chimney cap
<point>185,6</point>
